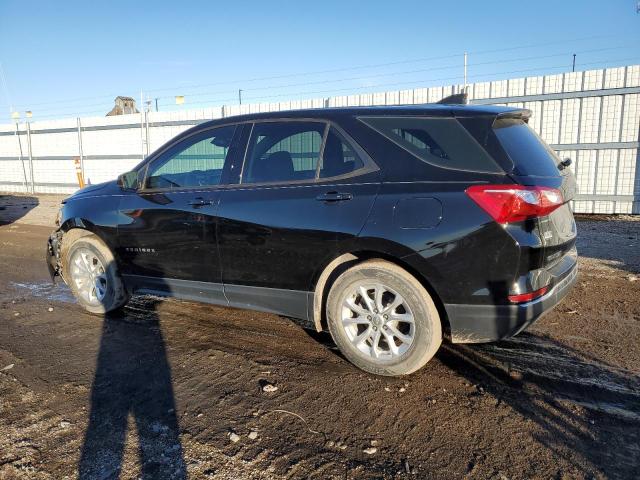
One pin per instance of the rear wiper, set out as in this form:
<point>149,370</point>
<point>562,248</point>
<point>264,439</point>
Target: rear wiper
<point>564,163</point>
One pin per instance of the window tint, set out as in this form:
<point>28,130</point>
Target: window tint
<point>283,151</point>
<point>197,161</point>
<point>528,152</point>
<point>439,141</point>
<point>338,157</point>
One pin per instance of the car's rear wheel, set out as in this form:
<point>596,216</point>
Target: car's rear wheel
<point>91,272</point>
<point>382,319</point>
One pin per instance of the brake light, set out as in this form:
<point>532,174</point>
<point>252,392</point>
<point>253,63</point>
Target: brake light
<point>525,297</point>
<point>514,203</point>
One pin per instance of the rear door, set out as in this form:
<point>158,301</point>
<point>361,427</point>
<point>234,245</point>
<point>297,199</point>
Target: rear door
<point>297,193</point>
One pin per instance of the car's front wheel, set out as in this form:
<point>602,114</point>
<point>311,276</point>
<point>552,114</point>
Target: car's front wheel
<point>91,272</point>
<point>382,319</point>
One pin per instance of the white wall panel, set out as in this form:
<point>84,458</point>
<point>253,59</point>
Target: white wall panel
<point>516,87</point>
<point>572,82</point>
<point>567,118</point>
<point>631,118</point>
<point>611,118</point>
<point>590,120</point>
<point>607,169</point>
<point>569,123</point>
<point>585,170</point>
<point>534,85</point>
<point>551,120</point>
<point>593,79</point>
<point>553,83</point>
<point>614,77</point>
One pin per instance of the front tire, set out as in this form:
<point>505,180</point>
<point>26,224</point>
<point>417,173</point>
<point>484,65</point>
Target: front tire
<point>91,272</point>
<point>382,319</point>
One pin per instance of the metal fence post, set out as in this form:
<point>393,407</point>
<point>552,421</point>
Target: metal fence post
<point>33,185</point>
<point>24,170</point>
<point>146,130</point>
<point>80,147</point>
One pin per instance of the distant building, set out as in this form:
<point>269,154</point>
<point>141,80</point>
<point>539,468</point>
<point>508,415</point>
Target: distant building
<point>123,106</point>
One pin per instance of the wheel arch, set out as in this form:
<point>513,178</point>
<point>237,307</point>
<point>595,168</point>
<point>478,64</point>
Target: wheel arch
<point>73,229</point>
<point>76,227</point>
<point>346,260</point>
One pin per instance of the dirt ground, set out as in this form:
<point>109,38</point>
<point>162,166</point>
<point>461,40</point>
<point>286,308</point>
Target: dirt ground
<point>172,389</point>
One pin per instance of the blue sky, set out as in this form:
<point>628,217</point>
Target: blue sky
<point>68,58</point>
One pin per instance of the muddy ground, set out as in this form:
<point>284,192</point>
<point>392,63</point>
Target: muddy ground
<point>162,390</point>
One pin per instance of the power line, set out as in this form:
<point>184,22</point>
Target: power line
<point>423,81</point>
<point>390,74</point>
<point>358,67</point>
<point>346,79</point>
<point>386,64</point>
<point>345,89</point>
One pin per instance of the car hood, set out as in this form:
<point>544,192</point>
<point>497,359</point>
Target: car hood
<point>105,188</point>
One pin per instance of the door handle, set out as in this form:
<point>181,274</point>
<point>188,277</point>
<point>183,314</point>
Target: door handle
<point>334,197</point>
<point>200,202</point>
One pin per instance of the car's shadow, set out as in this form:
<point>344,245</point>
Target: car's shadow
<point>583,409</point>
<point>578,403</point>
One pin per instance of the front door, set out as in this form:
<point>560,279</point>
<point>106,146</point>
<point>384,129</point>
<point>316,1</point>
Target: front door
<point>167,229</point>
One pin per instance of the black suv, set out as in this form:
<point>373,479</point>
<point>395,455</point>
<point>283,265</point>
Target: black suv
<point>389,226</point>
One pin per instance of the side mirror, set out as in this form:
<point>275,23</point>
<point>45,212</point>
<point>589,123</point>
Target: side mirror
<point>128,181</point>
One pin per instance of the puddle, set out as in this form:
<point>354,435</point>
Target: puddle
<point>57,293</point>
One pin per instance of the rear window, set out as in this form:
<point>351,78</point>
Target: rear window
<point>442,142</point>
<point>528,152</point>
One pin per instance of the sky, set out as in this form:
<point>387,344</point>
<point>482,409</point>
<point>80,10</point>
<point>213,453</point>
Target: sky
<point>71,58</point>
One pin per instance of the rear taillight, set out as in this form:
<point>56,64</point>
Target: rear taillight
<point>526,297</point>
<point>514,203</point>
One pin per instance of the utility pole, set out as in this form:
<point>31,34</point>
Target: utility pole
<point>465,72</point>
<point>240,96</point>
<point>156,99</point>
<point>573,68</point>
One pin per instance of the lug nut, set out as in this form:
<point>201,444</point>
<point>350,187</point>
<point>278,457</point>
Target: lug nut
<point>368,317</point>
<point>386,316</point>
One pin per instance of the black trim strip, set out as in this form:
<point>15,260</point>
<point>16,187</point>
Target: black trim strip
<point>290,303</point>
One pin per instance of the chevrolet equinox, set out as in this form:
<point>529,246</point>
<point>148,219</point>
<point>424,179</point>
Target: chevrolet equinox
<point>390,227</point>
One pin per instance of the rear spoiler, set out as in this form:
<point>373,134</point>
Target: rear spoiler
<point>455,99</point>
<point>521,114</point>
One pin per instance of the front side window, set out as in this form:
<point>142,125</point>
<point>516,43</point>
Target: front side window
<point>197,161</point>
<point>442,142</point>
<point>283,152</point>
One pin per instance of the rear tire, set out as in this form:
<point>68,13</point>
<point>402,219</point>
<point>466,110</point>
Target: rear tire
<point>90,270</point>
<point>382,319</point>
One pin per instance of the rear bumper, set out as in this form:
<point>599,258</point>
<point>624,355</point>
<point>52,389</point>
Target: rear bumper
<point>487,323</point>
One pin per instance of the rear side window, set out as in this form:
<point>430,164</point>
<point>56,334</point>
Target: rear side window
<point>283,152</point>
<point>528,152</point>
<point>442,142</point>
<point>338,157</point>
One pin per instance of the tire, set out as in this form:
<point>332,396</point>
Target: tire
<point>87,253</point>
<point>399,344</point>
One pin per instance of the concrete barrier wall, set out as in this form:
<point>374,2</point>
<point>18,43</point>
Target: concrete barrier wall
<point>591,116</point>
